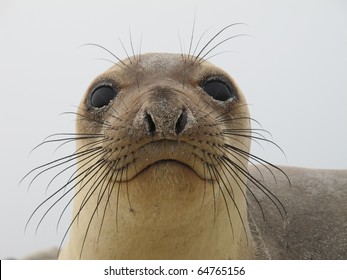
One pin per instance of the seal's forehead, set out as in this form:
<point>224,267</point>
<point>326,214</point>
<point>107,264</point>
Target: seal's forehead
<point>149,66</point>
<point>157,65</point>
<point>160,61</point>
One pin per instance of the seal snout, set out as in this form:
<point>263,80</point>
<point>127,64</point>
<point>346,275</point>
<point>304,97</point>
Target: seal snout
<point>164,115</point>
<point>154,127</point>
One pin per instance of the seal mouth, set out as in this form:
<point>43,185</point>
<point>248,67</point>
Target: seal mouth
<point>165,151</point>
<point>167,162</point>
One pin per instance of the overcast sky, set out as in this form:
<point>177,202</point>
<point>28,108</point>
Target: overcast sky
<point>292,70</point>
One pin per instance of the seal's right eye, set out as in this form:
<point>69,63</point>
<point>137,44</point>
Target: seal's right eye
<point>219,90</point>
<point>102,96</point>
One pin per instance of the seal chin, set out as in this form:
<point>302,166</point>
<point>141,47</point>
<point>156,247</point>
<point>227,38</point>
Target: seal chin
<point>170,178</point>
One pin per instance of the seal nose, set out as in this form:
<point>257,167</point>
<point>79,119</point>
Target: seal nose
<point>181,122</point>
<point>163,114</point>
<point>149,124</point>
<point>157,123</point>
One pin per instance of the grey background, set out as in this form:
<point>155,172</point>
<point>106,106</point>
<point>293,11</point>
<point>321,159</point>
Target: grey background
<point>293,71</point>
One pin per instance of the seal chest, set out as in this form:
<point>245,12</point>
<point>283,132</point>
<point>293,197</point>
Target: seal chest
<point>161,169</point>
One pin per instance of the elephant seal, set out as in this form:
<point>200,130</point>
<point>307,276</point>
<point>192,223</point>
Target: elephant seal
<point>164,171</point>
<point>162,163</point>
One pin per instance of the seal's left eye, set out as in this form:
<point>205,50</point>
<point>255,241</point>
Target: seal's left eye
<point>219,90</point>
<point>102,96</point>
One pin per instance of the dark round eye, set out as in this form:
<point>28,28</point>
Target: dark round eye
<point>102,96</point>
<point>219,90</point>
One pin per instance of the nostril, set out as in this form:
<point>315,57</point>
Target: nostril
<point>181,122</point>
<point>150,124</point>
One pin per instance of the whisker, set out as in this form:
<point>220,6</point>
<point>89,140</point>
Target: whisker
<point>53,195</point>
<point>191,37</point>
<point>224,198</point>
<point>54,163</point>
<point>260,160</point>
<point>125,50</point>
<point>213,179</point>
<point>107,60</point>
<point>131,43</point>
<point>220,43</point>
<point>76,137</point>
<point>199,41</point>
<point>108,187</point>
<point>107,50</point>
<point>278,204</point>
<point>217,54</point>
<point>233,174</point>
<point>84,173</point>
<point>214,37</point>
<point>98,180</point>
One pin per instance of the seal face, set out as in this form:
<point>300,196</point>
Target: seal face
<point>152,111</point>
<point>166,142</point>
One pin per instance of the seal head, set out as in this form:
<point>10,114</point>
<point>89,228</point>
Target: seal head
<point>161,163</point>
